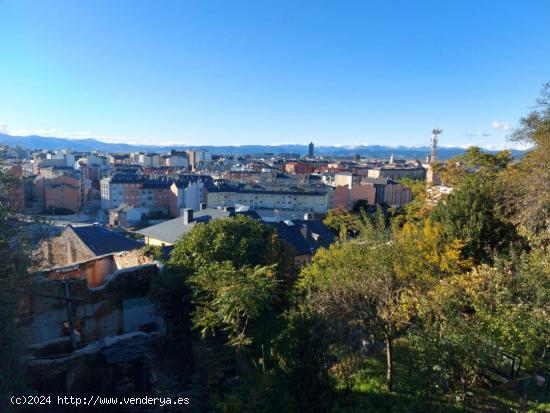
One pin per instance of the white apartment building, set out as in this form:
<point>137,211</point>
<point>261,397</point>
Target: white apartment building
<point>149,160</point>
<point>319,201</point>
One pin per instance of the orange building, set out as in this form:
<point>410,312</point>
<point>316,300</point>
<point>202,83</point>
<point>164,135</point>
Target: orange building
<point>63,192</point>
<point>295,167</point>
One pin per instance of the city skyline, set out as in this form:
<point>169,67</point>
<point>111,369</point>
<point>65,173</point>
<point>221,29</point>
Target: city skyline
<point>271,73</point>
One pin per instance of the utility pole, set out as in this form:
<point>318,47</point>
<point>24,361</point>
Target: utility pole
<point>66,282</point>
<point>67,290</point>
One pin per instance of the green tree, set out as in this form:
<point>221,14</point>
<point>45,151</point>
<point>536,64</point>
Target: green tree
<point>230,299</point>
<point>355,286</point>
<point>154,252</point>
<point>241,240</point>
<point>13,278</point>
<point>417,209</point>
<point>474,159</point>
<point>472,214</point>
<point>478,159</point>
<point>466,320</point>
<point>303,353</point>
<point>343,223</point>
<point>233,276</point>
<point>527,194</point>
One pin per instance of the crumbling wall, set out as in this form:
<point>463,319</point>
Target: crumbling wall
<point>64,249</point>
<point>95,369</point>
<point>78,373</point>
<point>130,259</point>
<point>94,271</point>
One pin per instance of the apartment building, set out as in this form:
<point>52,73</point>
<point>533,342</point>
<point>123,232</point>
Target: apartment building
<point>308,199</point>
<point>347,179</point>
<point>149,160</point>
<point>296,167</point>
<point>64,192</point>
<point>166,194</point>
<point>119,189</point>
<point>177,161</point>
<point>188,191</point>
<point>396,172</point>
<point>372,190</point>
<point>195,157</point>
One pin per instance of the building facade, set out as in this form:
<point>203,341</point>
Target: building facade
<point>318,200</point>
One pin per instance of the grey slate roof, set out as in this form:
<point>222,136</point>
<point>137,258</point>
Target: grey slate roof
<point>126,178</point>
<point>378,181</point>
<point>172,230</point>
<point>290,231</point>
<point>103,241</point>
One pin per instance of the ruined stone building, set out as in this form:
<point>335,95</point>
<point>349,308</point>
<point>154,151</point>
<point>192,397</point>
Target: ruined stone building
<point>75,244</point>
<point>88,327</point>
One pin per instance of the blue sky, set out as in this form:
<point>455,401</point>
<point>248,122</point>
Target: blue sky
<point>269,72</point>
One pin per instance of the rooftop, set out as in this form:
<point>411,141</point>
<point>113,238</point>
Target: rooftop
<point>172,230</point>
<point>305,236</point>
<point>103,241</point>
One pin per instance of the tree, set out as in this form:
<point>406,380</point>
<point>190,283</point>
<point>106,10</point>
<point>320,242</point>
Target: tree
<point>229,299</point>
<point>417,209</point>
<point>527,198</point>
<point>356,288</point>
<point>472,214</point>
<point>343,223</point>
<point>154,252</point>
<point>467,320</point>
<point>13,277</point>
<point>241,240</point>
<point>477,159</point>
<point>427,253</point>
<point>474,159</point>
<point>303,353</point>
<point>233,277</point>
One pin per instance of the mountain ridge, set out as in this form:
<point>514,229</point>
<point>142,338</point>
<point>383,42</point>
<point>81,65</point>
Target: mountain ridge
<point>370,151</point>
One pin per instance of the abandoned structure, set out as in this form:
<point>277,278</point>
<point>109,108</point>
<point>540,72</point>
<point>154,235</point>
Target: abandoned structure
<point>88,326</point>
<point>75,244</point>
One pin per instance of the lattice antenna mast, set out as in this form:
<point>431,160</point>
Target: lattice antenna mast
<point>435,133</point>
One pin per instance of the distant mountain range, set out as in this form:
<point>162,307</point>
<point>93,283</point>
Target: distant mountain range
<point>367,151</point>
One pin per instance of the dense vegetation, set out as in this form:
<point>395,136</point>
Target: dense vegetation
<point>13,276</point>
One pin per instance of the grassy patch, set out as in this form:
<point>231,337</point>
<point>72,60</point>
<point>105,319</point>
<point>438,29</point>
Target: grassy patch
<point>366,392</point>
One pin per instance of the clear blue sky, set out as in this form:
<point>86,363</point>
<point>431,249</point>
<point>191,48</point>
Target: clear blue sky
<point>233,72</point>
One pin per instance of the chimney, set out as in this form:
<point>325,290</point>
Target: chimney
<point>231,210</point>
<point>187,216</point>
<point>202,206</point>
<point>303,231</point>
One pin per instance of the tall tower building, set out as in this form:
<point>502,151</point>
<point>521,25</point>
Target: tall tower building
<point>311,150</point>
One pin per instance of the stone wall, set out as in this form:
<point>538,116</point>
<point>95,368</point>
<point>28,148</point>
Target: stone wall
<point>130,259</point>
<point>64,249</point>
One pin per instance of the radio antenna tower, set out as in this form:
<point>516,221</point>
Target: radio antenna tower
<point>435,133</point>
